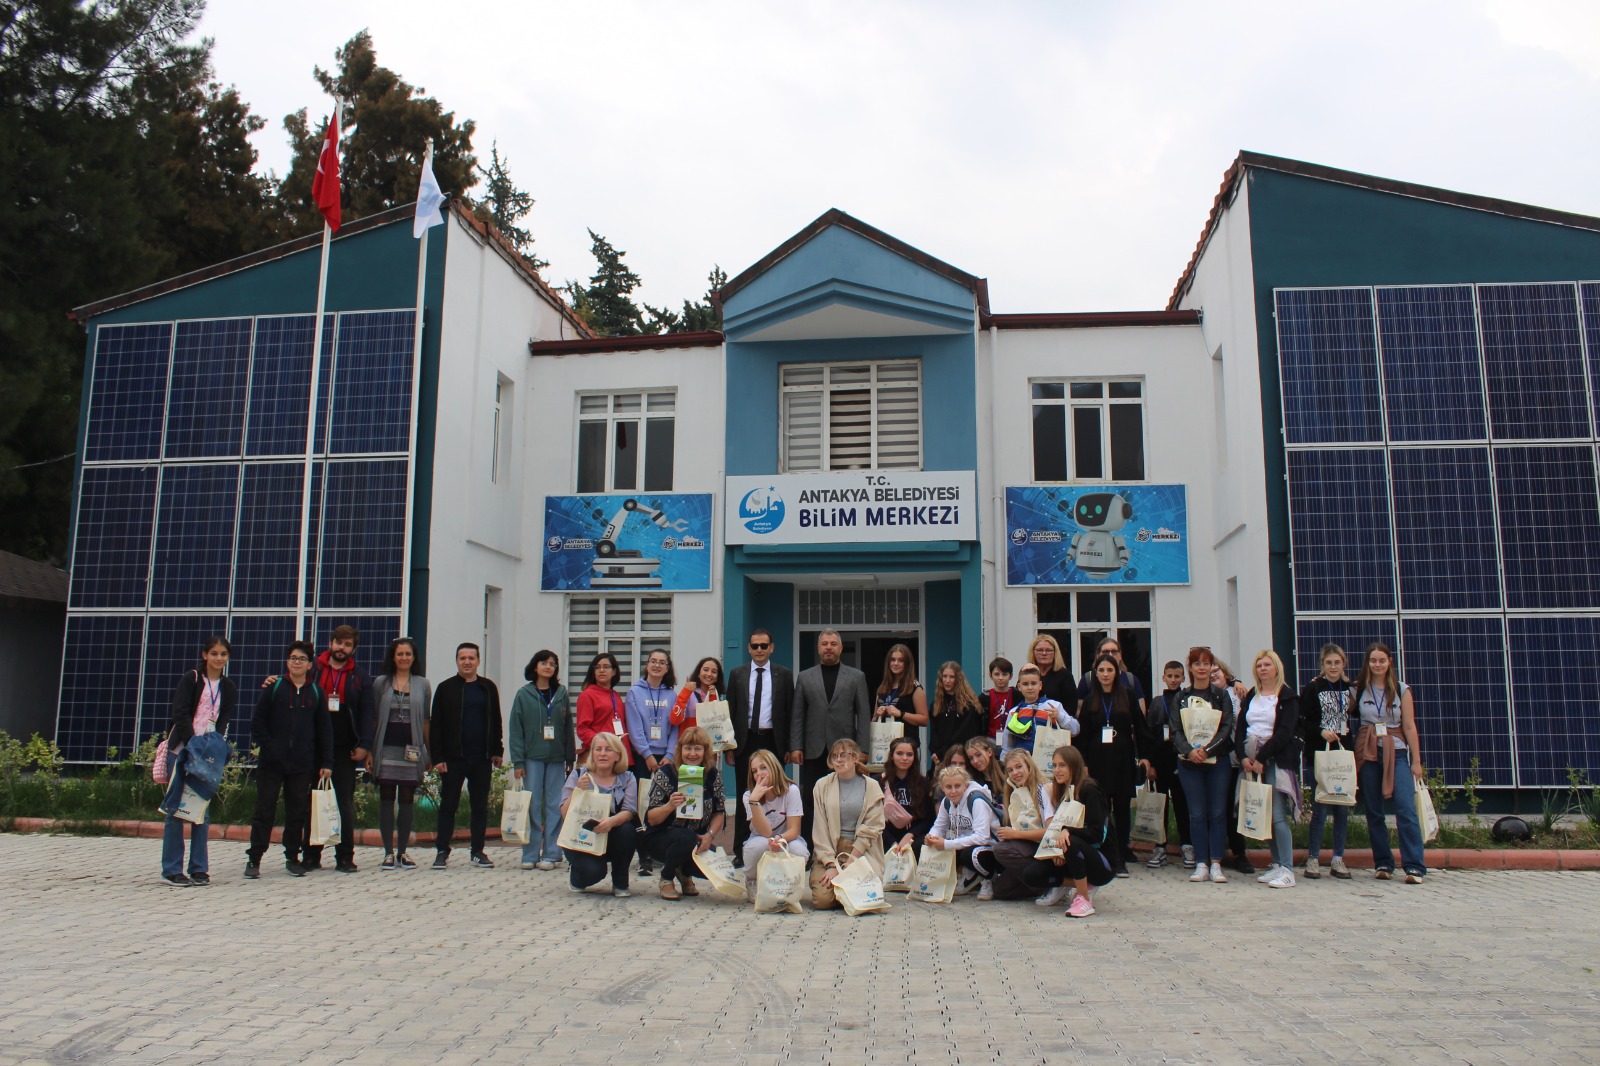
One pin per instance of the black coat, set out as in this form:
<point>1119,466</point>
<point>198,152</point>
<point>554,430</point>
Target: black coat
<point>1111,765</point>
<point>952,728</point>
<point>1283,747</point>
<point>186,700</point>
<point>782,688</point>
<point>444,734</point>
<point>293,728</point>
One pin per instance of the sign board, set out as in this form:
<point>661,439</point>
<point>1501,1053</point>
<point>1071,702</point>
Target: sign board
<point>627,541</point>
<point>1097,535</point>
<point>851,508</point>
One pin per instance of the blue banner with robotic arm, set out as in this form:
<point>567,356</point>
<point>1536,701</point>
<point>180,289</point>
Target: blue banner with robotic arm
<point>1097,535</point>
<point>651,541</point>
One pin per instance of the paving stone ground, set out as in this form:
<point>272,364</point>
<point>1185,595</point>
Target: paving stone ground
<point>103,964</point>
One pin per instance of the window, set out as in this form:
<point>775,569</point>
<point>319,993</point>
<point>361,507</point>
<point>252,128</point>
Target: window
<point>626,441</point>
<point>500,441</point>
<point>626,626</point>
<point>1079,620</point>
<point>852,416</point>
<point>1088,431</point>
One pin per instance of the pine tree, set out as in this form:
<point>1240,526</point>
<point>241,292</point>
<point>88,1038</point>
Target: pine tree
<point>606,304</point>
<point>505,205</point>
<point>705,314</point>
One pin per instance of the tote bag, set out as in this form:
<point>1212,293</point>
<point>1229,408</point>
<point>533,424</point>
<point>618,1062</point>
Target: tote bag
<point>882,736</point>
<point>718,867</point>
<point>899,869</point>
<point>1334,771</point>
<point>713,717</point>
<point>1200,723</point>
<point>585,805</point>
<point>1022,811</point>
<point>191,806</point>
<point>1150,817</point>
<point>514,812</point>
<point>1427,817</point>
<point>936,876</point>
<point>1069,815</point>
<point>780,879</point>
<point>1255,808</point>
<point>859,890</point>
<point>325,826</point>
<point>1046,739</point>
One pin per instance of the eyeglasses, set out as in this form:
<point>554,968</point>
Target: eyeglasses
<point>657,662</point>
<point>760,645</point>
<point>298,659</point>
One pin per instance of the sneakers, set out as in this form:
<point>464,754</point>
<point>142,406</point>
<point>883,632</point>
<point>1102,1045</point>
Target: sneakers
<point>405,861</point>
<point>544,864</point>
<point>1313,869</point>
<point>968,881</point>
<point>1122,870</point>
<point>1338,869</point>
<point>1413,878</point>
<point>200,879</point>
<point>1272,872</point>
<point>441,859</point>
<point>1285,878</point>
<point>646,867</point>
<point>1080,908</point>
<point>294,868</point>
<point>346,867</point>
<point>176,880</point>
<point>986,890</point>
<point>388,861</point>
<point>525,866</point>
<point>1202,873</point>
<point>1188,856</point>
<point>621,893</point>
<point>1054,896</point>
<point>481,860</point>
<point>1217,876</point>
<point>686,885</point>
<point>252,869</point>
<point>1158,858</point>
<point>669,891</point>
<point>1382,874</point>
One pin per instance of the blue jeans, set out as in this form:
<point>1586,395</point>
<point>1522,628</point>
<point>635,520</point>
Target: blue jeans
<point>1206,788</point>
<point>1282,844</point>
<point>1370,780</point>
<point>544,780</point>
<point>1341,829</point>
<point>172,846</point>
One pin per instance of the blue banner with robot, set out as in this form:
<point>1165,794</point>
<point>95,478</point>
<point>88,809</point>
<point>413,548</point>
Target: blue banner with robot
<point>627,541</point>
<point>1097,535</point>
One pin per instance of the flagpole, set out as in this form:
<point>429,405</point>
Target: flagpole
<point>411,450</point>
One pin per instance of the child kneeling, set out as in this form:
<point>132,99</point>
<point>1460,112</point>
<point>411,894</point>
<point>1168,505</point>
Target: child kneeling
<point>966,822</point>
<point>772,805</point>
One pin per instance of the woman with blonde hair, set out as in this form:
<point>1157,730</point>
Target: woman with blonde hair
<point>773,806</point>
<point>846,822</point>
<point>1029,808</point>
<point>605,769</point>
<point>669,837</point>
<point>957,714</point>
<point>1266,736</point>
<point>1046,654</point>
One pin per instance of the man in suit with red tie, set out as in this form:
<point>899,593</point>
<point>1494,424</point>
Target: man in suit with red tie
<point>760,700</point>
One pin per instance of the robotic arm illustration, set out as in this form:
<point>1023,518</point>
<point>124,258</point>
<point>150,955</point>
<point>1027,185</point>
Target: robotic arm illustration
<point>616,567</point>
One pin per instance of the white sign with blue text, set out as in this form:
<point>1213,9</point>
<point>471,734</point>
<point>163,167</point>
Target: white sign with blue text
<point>863,506</point>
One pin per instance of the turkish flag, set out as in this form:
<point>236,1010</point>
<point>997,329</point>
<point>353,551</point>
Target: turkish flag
<point>325,186</point>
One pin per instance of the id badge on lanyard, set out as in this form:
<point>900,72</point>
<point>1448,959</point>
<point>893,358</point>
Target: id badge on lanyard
<point>1107,734</point>
<point>549,731</point>
<point>1381,727</point>
<point>333,704</point>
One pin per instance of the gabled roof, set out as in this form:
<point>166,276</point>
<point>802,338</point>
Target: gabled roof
<point>1244,161</point>
<point>24,579</point>
<point>402,213</point>
<point>835,217</point>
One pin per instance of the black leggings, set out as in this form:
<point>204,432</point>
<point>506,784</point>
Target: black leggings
<point>983,864</point>
<point>673,846</point>
<point>1081,860</point>
<point>386,798</point>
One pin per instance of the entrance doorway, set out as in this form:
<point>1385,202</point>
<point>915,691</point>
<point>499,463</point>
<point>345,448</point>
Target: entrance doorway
<point>865,650</point>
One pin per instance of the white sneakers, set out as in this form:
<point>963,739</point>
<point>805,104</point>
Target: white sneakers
<point>986,890</point>
<point>1217,876</point>
<point>1054,896</point>
<point>1285,878</point>
<point>1272,871</point>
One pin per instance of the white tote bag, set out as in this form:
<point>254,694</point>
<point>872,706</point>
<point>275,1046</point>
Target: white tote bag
<point>191,808</point>
<point>936,876</point>
<point>859,890</point>
<point>514,812</point>
<point>1255,808</point>
<point>1200,723</point>
<point>899,869</point>
<point>1427,817</point>
<point>883,735</point>
<point>325,826</point>
<point>718,867</point>
<point>713,717</point>
<point>1069,815</point>
<point>780,880</point>
<point>1335,773</point>
<point>1150,817</point>
<point>586,805</point>
<point>1046,739</point>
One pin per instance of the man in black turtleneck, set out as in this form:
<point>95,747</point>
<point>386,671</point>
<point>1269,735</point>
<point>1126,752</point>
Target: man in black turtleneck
<point>831,702</point>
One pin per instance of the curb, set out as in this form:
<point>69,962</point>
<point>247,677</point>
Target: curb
<point>368,838</point>
<point>1459,858</point>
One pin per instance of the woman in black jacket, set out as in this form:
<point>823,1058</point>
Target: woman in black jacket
<point>203,701</point>
<point>1266,737</point>
<point>1110,751</point>
<point>1327,707</point>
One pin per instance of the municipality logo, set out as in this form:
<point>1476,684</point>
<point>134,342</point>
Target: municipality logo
<point>761,510</point>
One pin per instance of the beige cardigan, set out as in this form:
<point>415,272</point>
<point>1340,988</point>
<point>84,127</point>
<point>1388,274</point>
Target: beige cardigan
<point>825,822</point>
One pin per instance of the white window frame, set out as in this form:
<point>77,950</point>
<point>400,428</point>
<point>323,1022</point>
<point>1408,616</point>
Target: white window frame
<point>500,431</point>
<point>636,406</point>
<point>1104,403</point>
<point>1079,628</point>
<point>826,380</point>
<point>626,626</point>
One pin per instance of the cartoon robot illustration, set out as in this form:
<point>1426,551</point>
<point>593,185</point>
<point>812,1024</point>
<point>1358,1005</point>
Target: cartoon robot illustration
<point>616,567</point>
<point>1097,548</point>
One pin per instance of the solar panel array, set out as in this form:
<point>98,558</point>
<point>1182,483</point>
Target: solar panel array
<point>1443,499</point>
<point>189,508</point>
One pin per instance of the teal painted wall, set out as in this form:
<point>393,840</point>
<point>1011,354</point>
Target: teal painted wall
<point>1309,232</point>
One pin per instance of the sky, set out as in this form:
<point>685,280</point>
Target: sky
<point>1067,151</point>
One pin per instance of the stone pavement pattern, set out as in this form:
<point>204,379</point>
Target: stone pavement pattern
<point>105,965</point>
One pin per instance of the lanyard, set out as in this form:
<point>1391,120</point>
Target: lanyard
<point>214,690</point>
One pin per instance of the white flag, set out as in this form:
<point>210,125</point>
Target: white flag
<point>428,198</point>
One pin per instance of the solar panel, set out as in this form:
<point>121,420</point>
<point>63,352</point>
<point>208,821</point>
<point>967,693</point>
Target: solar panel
<point>1533,356</point>
<point>172,648</point>
<point>194,536</point>
<point>362,545</point>
<point>1555,674</point>
<point>99,685</point>
<point>1327,351</point>
<point>1455,667</point>
<point>1591,330</point>
<point>1444,529</point>
<point>1433,384</point>
<point>260,649</point>
<point>280,384</point>
<point>1550,524</point>
<point>1339,530</point>
<point>269,534</point>
<point>205,412</point>
<point>111,546</point>
<point>1351,634</point>
<point>128,392</point>
<point>372,383</point>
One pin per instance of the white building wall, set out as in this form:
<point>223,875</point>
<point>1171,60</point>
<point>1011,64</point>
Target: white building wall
<point>1223,290</point>
<point>1180,447</point>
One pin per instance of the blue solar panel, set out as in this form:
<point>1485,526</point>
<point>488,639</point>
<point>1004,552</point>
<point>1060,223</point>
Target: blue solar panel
<point>1455,667</point>
<point>260,649</point>
<point>376,633</point>
<point>210,365</point>
<point>1328,354</point>
<point>1591,329</point>
<point>372,383</point>
<point>1339,531</point>
<point>99,685</point>
<point>172,648</point>
<point>1351,634</point>
<point>1444,529</point>
<point>1534,358</point>
<point>1433,384</point>
<point>363,541</point>
<point>269,534</point>
<point>128,392</point>
<point>280,385</point>
<point>194,536</point>
<point>111,549</point>
<point>1555,674</point>
<point>1550,525</point>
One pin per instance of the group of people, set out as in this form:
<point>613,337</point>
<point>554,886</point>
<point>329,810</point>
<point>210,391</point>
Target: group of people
<point>991,795</point>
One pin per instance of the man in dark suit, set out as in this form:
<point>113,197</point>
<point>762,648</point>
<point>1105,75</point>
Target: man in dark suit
<point>760,702</point>
<point>831,703</point>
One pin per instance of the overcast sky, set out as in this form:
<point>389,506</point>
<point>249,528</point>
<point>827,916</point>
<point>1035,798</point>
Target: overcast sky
<point>1067,151</point>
